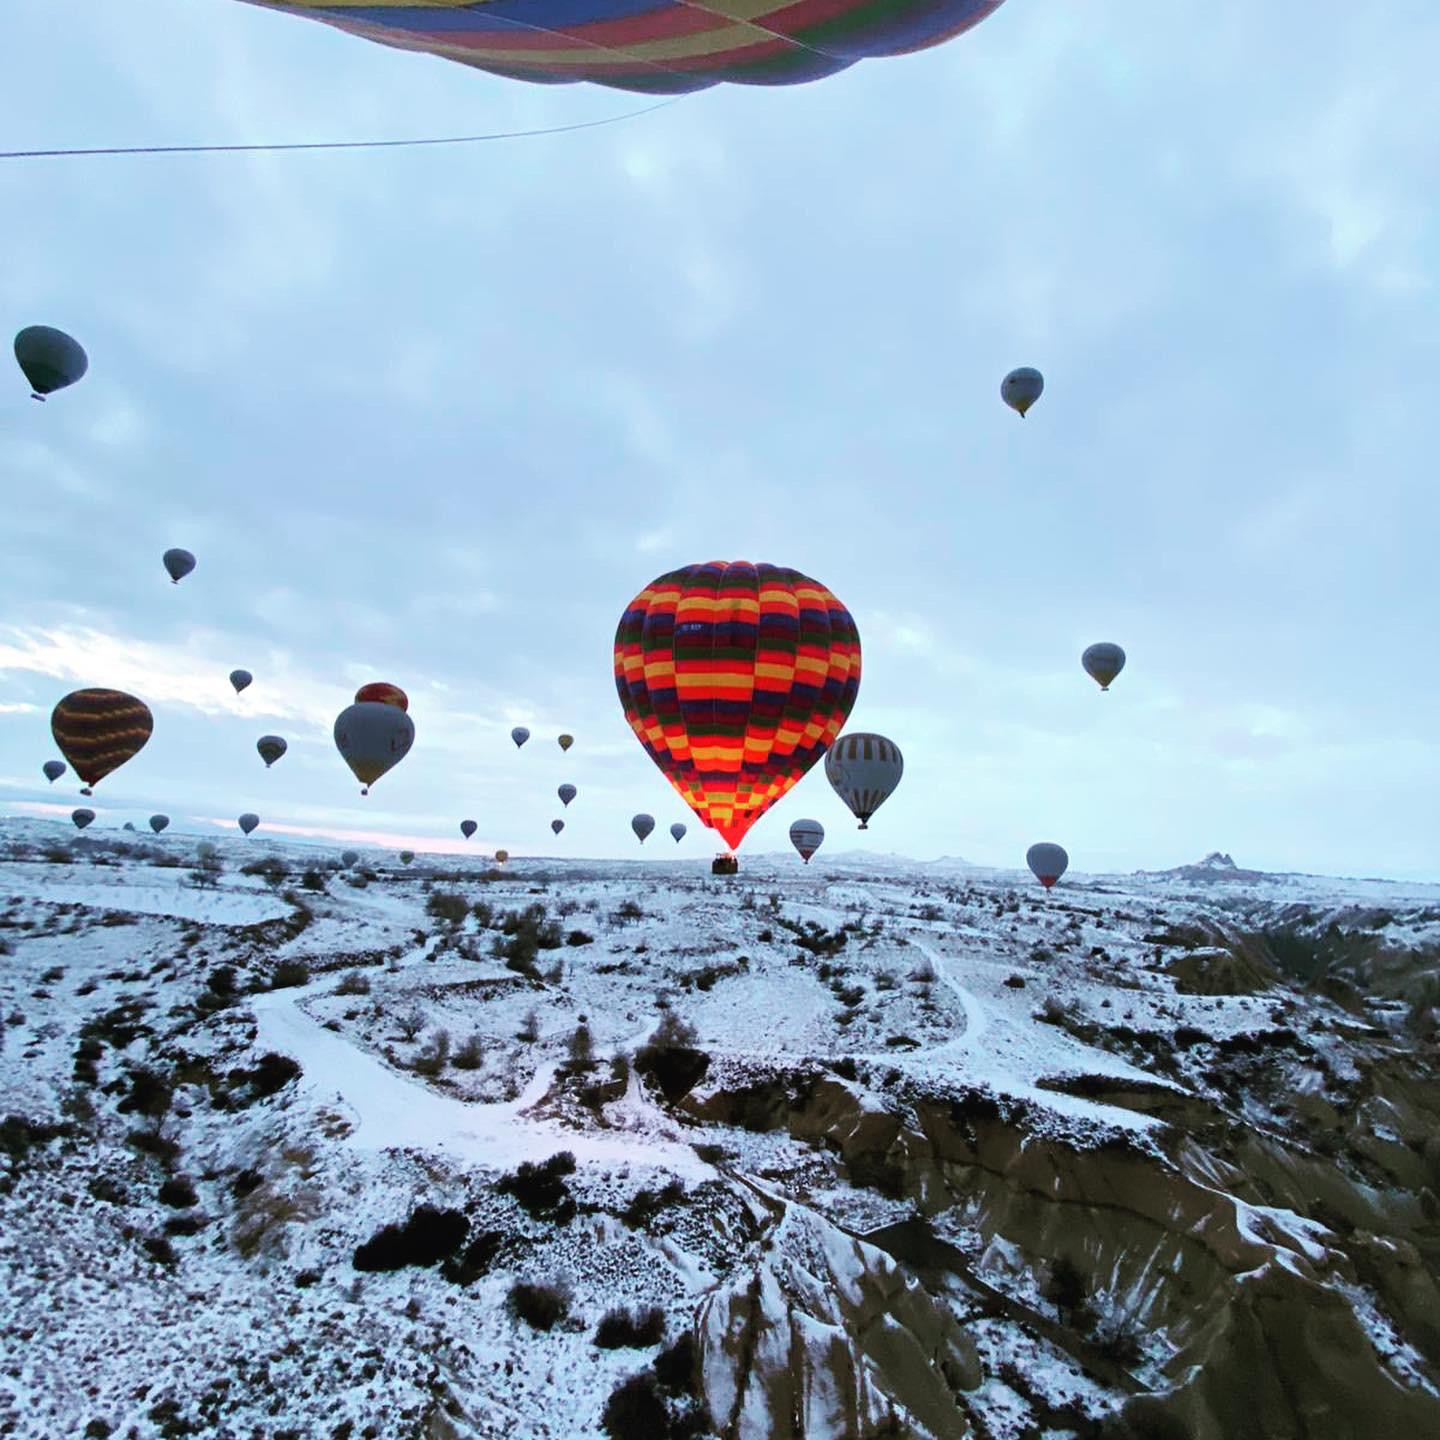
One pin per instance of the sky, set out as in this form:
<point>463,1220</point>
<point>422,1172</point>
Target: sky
<point>435,416</point>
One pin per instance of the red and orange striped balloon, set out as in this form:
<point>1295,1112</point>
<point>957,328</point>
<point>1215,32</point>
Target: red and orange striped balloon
<point>735,678</point>
<point>99,730</point>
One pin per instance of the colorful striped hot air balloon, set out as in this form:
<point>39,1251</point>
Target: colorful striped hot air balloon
<point>654,46</point>
<point>735,678</point>
<point>99,730</point>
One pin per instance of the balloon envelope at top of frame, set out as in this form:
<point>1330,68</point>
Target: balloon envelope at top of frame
<point>50,359</point>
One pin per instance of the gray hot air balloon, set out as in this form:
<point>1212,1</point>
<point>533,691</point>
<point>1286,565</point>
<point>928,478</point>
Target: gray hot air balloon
<point>565,741</point>
<point>406,856</point>
<point>1103,662</point>
<point>271,748</point>
<point>53,769</point>
<point>128,825</point>
<point>159,823</point>
<point>241,679</point>
<point>864,771</point>
<point>1048,862</point>
<point>642,825</point>
<point>567,793</point>
<point>248,822</point>
<point>50,359</point>
<point>371,738</point>
<point>468,828</point>
<point>1021,388</point>
<point>807,836</point>
<point>519,735</point>
<point>349,857</point>
<point>178,564</point>
<point>678,831</point>
<point>82,818</point>
<point>557,826</point>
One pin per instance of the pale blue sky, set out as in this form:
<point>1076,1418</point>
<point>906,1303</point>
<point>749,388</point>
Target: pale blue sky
<point>435,416</point>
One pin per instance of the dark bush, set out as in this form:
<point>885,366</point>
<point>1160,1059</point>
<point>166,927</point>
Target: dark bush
<point>676,1368</point>
<point>184,1224</point>
<point>435,1055</point>
<point>245,1183</point>
<point>677,1070</point>
<point>540,1190</point>
<point>627,912</point>
<point>645,1205</point>
<point>471,1054</point>
<point>426,1238</point>
<point>178,1193</point>
<point>272,1073</point>
<point>475,1259</point>
<point>353,983</point>
<point>447,905</point>
<point>624,1328</point>
<point>150,1095</point>
<point>1015,982</point>
<point>312,879</point>
<point>159,1249</point>
<point>1065,1287</point>
<point>222,980</point>
<point>579,937</point>
<point>636,1411</point>
<point>152,1142</point>
<point>270,870</point>
<point>542,1307</point>
<point>289,973</point>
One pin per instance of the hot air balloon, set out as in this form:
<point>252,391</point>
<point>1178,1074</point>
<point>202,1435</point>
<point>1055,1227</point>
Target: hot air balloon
<point>82,817</point>
<point>349,857</point>
<point>864,770</point>
<point>128,825</point>
<point>567,793</point>
<point>468,828</point>
<point>178,564</point>
<point>807,836</point>
<point>565,741</point>
<point>241,680</point>
<point>1047,862</point>
<point>271,748</point>
<point>248,822</point>
<point>99,730</point>
<point>519,735</point>
<point>159,823</point>
<point>557,826</point>
<point>501,856</point>
<point>382,692</point>
<point>735,678</point>
<point>53,770</point>
<point>372,738</point>
<point>1021,388</point>
<point>50,359</point>
<point>206,851</point>
<point>406,856</point>
<point>678,831</point>
<point>642,825</point>
<point>1103,662</point>
<point>665,48</point>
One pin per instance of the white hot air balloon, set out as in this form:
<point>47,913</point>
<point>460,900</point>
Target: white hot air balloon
<point>864,771</point>
<point>807,836</point>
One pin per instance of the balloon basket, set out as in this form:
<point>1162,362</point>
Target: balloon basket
<point>725,865</point>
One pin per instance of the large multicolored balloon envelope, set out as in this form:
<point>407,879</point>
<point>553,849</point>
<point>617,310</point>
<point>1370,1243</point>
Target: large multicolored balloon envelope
<point>664,47</point>
<point>178,564</point>
<point>1103,662</point>
<point>50,359</point>
<point>864,771</point>
<point>53,770</point>
<point>807,836</point>
<point>468,828</point>
<point>99,730</point>
<point>82,817</point>
<point>159,823</point>
<point>1047,862</point>
<point>736,678</point>
<point>373,738</point>
<point>382,692</point>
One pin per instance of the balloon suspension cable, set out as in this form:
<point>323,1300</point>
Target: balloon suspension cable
<point>270,148</point>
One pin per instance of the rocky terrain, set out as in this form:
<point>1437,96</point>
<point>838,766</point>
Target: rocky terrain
<point>869,1148</point>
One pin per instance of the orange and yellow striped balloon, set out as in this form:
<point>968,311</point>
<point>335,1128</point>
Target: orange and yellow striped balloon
<point>99,730</point>
<point>735,678</point>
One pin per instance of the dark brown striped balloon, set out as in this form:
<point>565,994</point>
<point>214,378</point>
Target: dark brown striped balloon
<point>99,730</point>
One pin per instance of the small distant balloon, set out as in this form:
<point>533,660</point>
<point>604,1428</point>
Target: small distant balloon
<point>99,730</point>
<point>382,692</point>
<point>501,856</point>
<point>50,359</point>
<point>807,836</point>
<point>349,857</point>
<point>241,680</point>
<point>82,818</point>
<point>557,826</point>
<point>864,771</point>
<point>642,825</point>
<point>248,822</point>
<point>372,738</point>
<point>1021,388</point>
<point>53,770</point>
<point>406,856</point>
<point>159,823</point>
<point>678,831</point>
<point>178,564</point>
<point>566,741</point>
<point>1047,862</point>
<point>567,793</point>
<point>468,828</point>
<point>271,748</point>
<point>519,735</point>
<point>1103,662</point>
<point>128,825</point>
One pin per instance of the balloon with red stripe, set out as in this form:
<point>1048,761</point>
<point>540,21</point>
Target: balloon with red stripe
<point>735,677</point>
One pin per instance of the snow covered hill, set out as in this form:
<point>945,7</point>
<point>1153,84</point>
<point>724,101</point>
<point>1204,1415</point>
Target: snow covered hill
<point>581,1149</point>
